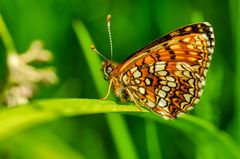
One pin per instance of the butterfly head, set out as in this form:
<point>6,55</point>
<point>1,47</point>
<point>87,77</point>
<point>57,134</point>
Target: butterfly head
<point>108,67</point>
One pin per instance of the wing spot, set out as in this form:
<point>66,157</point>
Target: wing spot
<point>205,36</point>
<point>200,92</point>
<point>212,36</point>
<point>210,50</point>
<point>198,42</point>
<point>188,29</point>
<point>208,64</point>
<point>175,47</point>
<point>151,69</point>
<point>162,103</point>
<point>162,73</point>
<point>172,84</point>
<point>205,72</point>
<point>200,84</point>
<point>187,97</point>
<point>206,23</point>
<point>159,67</point>
<point>196,101</point>
<point>187,74</point>
<point>179,66</point>
<point>162,93</point>
<point>133,69</point>
<point>137,74</point>
<point>210,29</point>
<point>165,88</point>
<point>186,40</point>
<point>170,78</point>
<point>163,82</point>
<point>150,104</point>
<point>212,43</point>
<point>142,90</point>
<point>183,104</point>
<point>189,46</point>
<point>148,81</point>
<point>125,79</point>
<point>191,91</point>
<point>189,108</point>
<point>137,81</point>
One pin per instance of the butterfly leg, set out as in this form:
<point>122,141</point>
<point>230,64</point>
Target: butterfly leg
<point>133,99</point>
<point>108,91</point>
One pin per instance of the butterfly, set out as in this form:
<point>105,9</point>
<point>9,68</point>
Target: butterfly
<point>166,76</point>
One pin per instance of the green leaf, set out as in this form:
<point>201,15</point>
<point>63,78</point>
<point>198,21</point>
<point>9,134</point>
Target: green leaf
<point>15,120</point>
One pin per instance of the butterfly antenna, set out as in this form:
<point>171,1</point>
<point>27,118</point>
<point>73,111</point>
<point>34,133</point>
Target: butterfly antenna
<point>109,33</point>
<point>96,51</point>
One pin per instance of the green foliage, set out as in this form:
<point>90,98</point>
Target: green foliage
<point>63,122</point>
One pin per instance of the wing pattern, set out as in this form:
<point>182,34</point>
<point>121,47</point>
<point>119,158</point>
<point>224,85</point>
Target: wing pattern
<point>168,75</point>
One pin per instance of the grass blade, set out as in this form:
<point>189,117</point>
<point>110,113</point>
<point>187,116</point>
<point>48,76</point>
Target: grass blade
<point>118,127</point>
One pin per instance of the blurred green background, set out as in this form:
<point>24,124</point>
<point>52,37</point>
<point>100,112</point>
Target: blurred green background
<point>134,24</point>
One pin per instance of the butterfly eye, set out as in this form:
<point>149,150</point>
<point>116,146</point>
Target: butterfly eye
<point>109,70</point>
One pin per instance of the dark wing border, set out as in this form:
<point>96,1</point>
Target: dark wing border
<point>199,28</point>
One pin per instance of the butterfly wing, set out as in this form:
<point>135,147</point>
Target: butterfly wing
<point>168,75</point>
<point>192,44</point>
<point>166,88</point>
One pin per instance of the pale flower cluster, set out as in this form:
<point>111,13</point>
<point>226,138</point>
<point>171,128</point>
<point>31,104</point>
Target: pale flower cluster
<point>23,78</point>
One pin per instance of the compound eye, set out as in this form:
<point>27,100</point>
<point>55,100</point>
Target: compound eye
<point>109,70</point>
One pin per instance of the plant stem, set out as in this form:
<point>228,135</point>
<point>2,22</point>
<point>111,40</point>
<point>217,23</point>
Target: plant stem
<point>6,37</point>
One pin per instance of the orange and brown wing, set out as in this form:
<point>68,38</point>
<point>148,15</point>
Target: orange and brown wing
<point>168,75</point>
<point>192,44</point>
<point>166,88</point>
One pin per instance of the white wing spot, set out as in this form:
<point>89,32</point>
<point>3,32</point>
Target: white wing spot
<point>147,81</point>
<point>210,50</point>
<point>183,104</point>
<point>187,97</point>
<point>151,69</point>
<point>159,67</point>
<point>162,73</point>
<point>137,81</point>
<point>171,84</point>
<point>137,74</point>
<point>165,88</point>
<point>162,93</point>
<point>205,36</point>
<point>133,69</point>
<point>196,101</point>
<point>200,92</point>
<point>211,29</point>
<point>179,67</point>
<point>162,103</point>
<point>191,91</point>
<point>141,90</point>
<point>125,79</point>
<point>163,82</point>
<point>187,74</point>
<point>170,78</point>
<point>150,104</point>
